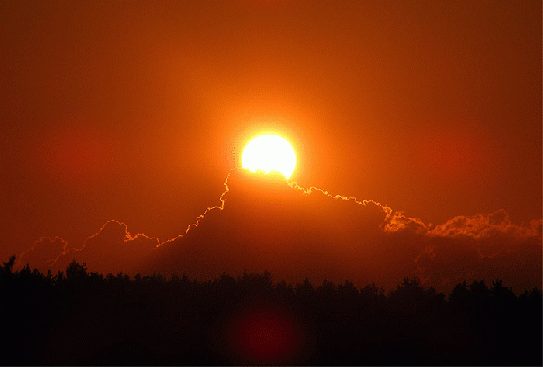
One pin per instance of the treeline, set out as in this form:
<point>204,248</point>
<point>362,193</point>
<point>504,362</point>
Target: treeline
<point>78,317</point>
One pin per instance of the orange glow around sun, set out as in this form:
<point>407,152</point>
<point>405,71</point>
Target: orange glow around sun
<point>269,153</point>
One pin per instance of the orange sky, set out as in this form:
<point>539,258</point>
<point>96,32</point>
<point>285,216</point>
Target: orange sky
<point>131,111</point>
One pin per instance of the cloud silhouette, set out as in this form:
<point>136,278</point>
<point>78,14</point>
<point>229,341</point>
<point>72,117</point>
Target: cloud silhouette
<point>264,222</point>
<point>43,253</point>
<point>399,222</point>
<point>111,250</point>
<point>267,223</point>
<point>479,226</point>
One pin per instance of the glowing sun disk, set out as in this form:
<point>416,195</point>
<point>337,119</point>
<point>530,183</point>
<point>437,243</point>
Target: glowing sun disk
<point>269,153</point>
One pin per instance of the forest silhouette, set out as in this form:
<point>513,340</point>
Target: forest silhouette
<point>79,317</point>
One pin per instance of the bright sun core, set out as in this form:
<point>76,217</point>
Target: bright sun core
<point>269,153</point>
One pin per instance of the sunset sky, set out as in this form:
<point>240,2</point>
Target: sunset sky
<point>138,111</point>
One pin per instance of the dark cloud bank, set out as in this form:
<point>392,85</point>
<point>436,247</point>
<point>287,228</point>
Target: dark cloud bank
<point>265,223</point>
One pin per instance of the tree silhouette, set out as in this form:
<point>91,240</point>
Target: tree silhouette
<point>75,271</point>
<point>79,318</point>
<point>6,269</point>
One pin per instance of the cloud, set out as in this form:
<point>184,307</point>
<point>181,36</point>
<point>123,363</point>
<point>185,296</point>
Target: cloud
<point>268,224</point>
<point>483,247</point>
<point>264,222</point>
<point>43,253</point>
<point>448,260</point>
<point>481,226</point>
<point>399,222</point>
<point>111,249</point>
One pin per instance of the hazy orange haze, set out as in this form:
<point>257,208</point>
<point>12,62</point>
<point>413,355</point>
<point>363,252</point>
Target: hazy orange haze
<point>136,112</point>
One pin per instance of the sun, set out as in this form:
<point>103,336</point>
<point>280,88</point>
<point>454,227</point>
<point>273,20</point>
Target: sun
<point>269,153</point>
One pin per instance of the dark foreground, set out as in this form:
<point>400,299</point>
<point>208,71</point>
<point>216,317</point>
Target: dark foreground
<point>79,318</point>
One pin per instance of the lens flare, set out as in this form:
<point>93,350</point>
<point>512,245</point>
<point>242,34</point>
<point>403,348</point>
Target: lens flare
<point>265,333</point>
